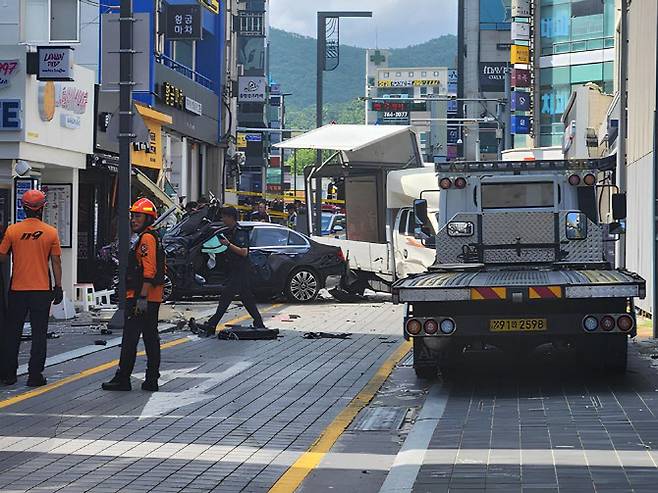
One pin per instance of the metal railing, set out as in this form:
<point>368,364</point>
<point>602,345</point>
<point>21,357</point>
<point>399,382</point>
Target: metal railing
<point>185,70</point>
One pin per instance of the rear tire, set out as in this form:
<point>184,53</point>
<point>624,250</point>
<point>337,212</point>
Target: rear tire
<point>303,286</point>
<point>615,354</point>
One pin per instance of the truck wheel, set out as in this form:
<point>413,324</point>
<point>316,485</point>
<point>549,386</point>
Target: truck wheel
<point>426,372</point>
<point>615,349</point>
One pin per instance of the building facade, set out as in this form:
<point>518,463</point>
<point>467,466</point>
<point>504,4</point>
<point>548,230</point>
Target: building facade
<point>573,43</point>
<point>483,58</point>
<point>253,90</point>
<point>47,117</point>
<point>404,96</point>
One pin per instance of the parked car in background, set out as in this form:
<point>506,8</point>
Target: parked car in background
<point>333,224</point>
<point>284,262</point>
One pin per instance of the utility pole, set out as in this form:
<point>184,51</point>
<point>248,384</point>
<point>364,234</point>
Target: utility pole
<point>623,125</point>
<point>321,54</point>
<point>126,137</point>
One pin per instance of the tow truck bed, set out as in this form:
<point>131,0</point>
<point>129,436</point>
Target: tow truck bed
<point>574,284</point>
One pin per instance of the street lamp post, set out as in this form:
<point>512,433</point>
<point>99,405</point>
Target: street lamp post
<point>321,67</point>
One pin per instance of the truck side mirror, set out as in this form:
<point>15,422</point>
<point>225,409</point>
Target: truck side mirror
<point>576,226</point>
<point>619,206</point>
<point>423,229</point>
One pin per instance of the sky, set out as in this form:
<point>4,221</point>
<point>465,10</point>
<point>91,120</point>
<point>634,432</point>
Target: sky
<point>395,23</point>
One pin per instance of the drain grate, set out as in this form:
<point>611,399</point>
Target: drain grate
<point>381,419</point>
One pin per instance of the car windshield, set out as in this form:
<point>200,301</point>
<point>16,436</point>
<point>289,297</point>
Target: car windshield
<point>517,195</point>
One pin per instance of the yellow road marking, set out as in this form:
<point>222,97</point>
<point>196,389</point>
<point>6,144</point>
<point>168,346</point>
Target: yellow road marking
<point>309,460</point>
<point>106,366</point>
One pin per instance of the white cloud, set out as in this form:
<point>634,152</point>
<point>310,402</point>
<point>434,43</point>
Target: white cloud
<point>395,23</point>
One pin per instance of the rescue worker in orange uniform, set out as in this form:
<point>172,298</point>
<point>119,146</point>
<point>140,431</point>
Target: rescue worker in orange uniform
<point>144,290</point>
<point>32,244</point>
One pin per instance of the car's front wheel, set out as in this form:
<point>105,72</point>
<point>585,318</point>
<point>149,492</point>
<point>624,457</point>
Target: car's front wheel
<point>303,286</point>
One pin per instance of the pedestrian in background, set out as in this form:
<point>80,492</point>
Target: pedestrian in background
<point>292,216</point>
<point>144,292</point>
<point>33,245</point>
<point>261,215</point>
<point>301,221</point>
<point>239,271</point>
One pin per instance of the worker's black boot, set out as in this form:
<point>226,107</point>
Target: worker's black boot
<point>150,385</point>
<point>37,380</point>
<point>117,384</point>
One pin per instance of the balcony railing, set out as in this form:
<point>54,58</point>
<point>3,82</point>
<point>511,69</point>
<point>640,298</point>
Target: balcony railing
<point>185,70</point>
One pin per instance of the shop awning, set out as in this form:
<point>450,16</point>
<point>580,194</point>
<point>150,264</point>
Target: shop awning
<point>149,185</point>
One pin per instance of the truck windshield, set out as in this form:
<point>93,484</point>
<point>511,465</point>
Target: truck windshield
<point>517,195</point>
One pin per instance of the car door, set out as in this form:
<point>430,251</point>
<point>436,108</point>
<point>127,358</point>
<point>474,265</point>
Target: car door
<point>269,252</point>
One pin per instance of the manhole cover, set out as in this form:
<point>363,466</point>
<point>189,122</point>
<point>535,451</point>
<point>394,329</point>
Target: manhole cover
<point>381,419</point>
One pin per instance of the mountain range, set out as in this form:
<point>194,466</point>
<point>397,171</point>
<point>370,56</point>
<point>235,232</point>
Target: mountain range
<point>292,64</point>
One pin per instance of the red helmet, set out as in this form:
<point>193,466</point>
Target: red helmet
<point>144,206</point>
<point>34,200</point>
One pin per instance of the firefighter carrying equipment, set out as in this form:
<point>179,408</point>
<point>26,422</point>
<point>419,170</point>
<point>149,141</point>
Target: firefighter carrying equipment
<point>144,206</point>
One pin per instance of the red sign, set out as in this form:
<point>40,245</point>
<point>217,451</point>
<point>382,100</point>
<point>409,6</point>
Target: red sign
<point>521,78</point>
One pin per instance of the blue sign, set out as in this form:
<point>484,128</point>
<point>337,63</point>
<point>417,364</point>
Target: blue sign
<point>21,185</point>
<point>10,115</point>
<point>520,124</point>
<point>453,135</point>
<point>254,137</point>
<point>521,101</point>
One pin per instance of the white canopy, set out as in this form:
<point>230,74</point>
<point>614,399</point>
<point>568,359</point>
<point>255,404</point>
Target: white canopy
<point>380,145</point>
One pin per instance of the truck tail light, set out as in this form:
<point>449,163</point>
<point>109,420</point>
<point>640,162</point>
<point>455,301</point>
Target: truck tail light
<point>589,180</point>
<point>625,323</point>
<point>431,326</point>
<point>590,323</point>
<point>340,255</point>
<point>607,323</point>
<point>414,326</point>
<point>445,183</point>
<point>574,180</point>
<point>460,183</point>
<point>447,326</point>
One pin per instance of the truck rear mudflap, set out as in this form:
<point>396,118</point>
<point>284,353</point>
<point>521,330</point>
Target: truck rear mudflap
<point>519,286</point>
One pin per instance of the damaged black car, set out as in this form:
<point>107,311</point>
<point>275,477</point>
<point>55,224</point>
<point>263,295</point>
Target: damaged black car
<point>283,262</point>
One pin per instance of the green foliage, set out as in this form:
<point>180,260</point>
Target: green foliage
<point>347,112</point>
<point>292,64</point>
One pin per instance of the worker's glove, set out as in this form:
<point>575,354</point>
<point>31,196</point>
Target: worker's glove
<point>141,306</point>
<point>58,295</point>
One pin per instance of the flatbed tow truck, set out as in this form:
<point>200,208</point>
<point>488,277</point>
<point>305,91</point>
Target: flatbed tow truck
<point>522,259</point>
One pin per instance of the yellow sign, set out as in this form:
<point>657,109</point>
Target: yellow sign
<point>409,83</point>
<point>242,140</point>
<point>520,54</point>
<point>212,5</point>
<point>149,154</point>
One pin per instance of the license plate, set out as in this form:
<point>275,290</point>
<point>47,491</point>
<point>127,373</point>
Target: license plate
<point>518,325</point>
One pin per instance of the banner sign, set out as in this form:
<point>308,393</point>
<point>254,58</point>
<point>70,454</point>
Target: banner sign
<point>520,8</point>
<point>55,63</point>
<point>492,76</point>
<point>252,89</point>
<point>520,31</point>
<point>409,83</point>
<point>521,101</point>
<point>10,115</point>
<point>453,135</point>
<point>521,125</point>
<point>520,54</point>
<point>58,212</point>
<point>183,22</point>
<point>8,68</point>
<point>521,78</point>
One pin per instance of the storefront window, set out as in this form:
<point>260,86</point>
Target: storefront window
<point>568,26</point>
